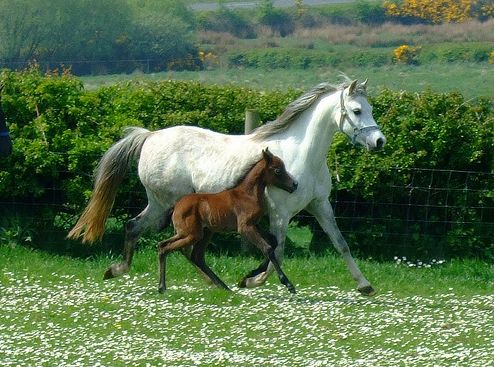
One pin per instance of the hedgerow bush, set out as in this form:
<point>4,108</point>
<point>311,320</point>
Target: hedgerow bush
<point>297,58</point>
<point>60,131</point>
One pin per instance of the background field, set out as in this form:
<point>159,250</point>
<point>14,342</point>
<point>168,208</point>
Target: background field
<point>58,312</point>
<point>472,80</point>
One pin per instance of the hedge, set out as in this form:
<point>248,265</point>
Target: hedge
<point>60,130</point>
<point>336,56</point>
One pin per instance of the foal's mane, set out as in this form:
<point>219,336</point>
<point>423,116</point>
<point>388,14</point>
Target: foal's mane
<point>245,172</point>
<point>295,108</point>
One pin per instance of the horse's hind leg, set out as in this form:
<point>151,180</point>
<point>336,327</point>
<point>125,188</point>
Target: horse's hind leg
<point>199,260</point>
<point>151,217</point>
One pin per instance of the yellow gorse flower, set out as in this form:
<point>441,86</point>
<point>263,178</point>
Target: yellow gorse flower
<point>405,54</point>
<point>435,11</point>
<point>491,57</point>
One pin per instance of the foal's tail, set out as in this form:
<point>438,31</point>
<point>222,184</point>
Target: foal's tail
<point>108,176</point>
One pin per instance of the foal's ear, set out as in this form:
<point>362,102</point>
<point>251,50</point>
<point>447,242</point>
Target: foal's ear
<point>352,88</point>
<point>267,155</point>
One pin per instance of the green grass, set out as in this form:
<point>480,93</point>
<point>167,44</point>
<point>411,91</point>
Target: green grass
<point>56,311</point>
<point>472,80</point>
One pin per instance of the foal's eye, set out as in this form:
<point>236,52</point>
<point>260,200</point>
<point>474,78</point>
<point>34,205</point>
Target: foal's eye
<point>277,172</point>
<point>357,111</point>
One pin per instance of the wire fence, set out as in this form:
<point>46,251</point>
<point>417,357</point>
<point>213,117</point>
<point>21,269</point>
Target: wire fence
<point>432,213</point>
<point>424,213</point>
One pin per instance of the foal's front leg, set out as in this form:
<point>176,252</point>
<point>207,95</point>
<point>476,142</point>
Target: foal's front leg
<point>263,268</point>
<point>253,235</point>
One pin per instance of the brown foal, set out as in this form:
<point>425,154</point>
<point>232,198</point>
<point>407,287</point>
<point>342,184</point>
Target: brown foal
<point>197,216</point>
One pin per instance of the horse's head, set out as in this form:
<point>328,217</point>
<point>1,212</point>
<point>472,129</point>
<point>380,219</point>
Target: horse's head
<point>276,174</point>
<point>356,119</point>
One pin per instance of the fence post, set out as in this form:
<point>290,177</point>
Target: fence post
<point>252,120</point>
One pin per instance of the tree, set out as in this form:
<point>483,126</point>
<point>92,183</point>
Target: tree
<point>162,30</point>
<point>278,20</point>
<point>22,28</point>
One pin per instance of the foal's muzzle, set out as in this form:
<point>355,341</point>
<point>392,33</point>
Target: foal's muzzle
<point>293,187</point>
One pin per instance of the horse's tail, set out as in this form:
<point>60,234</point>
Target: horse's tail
<point>109,174</point>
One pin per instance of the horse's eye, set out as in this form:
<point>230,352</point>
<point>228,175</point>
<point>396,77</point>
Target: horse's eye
<point>357,111</point>
<point>277,172</point>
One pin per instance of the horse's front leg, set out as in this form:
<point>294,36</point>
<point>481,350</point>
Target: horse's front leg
<point>322,210</point>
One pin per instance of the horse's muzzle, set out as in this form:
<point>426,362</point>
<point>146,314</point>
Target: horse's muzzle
<point>375,141</point>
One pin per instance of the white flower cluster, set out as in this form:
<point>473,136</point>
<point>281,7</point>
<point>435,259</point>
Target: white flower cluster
<point>64,321</point>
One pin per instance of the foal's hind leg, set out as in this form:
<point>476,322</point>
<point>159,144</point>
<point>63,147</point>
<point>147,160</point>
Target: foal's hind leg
<point>167,246</point>
<point>198,259</point>
<point>152,217</point>
<point>187,252</point>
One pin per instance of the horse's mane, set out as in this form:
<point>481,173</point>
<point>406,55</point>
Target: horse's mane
<point>295,108</point>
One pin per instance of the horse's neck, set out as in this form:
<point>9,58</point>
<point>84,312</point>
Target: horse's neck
<point>315,129</point>
<point>253,184</point>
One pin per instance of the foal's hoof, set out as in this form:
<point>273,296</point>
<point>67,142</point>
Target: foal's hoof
<point>108,274</point>
<point>367,291</point>
<point>243,283</point>
<point>161,290</point>
<point>291,289</point>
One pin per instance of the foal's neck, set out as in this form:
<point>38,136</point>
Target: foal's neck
<point>254,183</point>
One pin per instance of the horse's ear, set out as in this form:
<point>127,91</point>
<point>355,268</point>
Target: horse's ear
<point>352,88</point>
<point>364,84</point>
<point>267,155</point>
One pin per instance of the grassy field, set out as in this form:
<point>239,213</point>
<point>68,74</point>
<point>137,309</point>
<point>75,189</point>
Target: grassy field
<point>56,311</point>
<point>472,80</point>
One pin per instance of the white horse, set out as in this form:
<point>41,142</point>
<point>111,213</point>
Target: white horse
<point>180,160</point>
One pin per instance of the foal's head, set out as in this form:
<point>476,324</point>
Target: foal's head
<point>275,173</point>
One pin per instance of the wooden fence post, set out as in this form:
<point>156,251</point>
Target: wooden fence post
<point>252,120</point>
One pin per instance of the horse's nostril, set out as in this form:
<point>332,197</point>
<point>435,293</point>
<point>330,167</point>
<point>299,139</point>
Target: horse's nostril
<point>379,143</point>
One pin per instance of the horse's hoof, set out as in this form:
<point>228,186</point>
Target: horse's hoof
<point>161,290</point>
<point>243,283</point>
<point>292,290</point>
<point>367,291</point>
<point>108,274</point>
